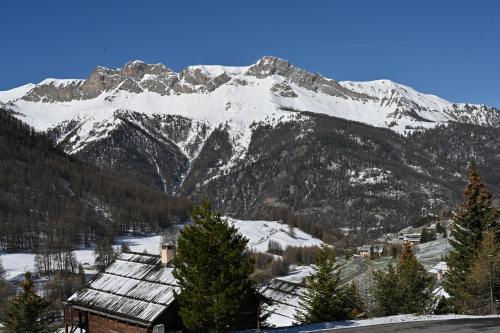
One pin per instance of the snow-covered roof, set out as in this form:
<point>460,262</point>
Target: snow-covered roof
<point>439,267</point>
<point>285,297</point>
<point>135,287</point>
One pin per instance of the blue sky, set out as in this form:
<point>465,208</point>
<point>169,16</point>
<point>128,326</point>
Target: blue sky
<point>449,48</point>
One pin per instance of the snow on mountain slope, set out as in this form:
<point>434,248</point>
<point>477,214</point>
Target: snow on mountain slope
<point>260,233</point>
<point>241,96</point>
<point>200,100</point>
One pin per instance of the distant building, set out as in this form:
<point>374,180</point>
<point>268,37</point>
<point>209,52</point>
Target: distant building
<point>412,238</point>
<point>364,251</point>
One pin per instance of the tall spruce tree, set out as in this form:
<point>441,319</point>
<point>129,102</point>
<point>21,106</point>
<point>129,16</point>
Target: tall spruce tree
<point>404,289</point>
<point>474,217</point>
<point>27,311</point>
<point>325,298</point>
<point>212,267</point>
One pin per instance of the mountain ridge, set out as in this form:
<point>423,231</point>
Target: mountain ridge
<point>208,132</point>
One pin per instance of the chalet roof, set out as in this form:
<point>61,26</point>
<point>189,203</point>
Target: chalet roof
<point>285,297</point>
<point>135,287</point>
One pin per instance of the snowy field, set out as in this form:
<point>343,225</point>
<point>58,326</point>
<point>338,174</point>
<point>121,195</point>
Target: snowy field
<point>259,234</point>
<point>16,264</point>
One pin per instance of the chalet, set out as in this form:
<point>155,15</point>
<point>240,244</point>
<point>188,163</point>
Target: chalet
<point>135,293</point>
<point>365,250</point>
<point>412,238</point>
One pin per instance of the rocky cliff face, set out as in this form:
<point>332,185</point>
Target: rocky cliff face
<point>270,136</point>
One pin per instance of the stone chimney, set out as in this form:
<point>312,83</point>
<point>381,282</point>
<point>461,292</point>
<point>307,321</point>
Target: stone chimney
<point>167,253</point>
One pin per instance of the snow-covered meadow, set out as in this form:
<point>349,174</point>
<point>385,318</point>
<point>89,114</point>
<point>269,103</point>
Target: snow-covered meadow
<point>259,234</point>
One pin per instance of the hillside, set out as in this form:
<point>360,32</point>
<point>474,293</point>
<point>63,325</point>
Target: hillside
<point>54,202</point>
<point>271,140</point>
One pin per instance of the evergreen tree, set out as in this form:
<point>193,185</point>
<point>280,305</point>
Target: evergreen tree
<point>4,291</point>
<point>473,218</point>
<point>424,235</point>
<point>212,267</point>
<point>325,298</point>
<point>440,229</point>
<point>387,296</point>
<point>27,311</point>
<point>405,289</point>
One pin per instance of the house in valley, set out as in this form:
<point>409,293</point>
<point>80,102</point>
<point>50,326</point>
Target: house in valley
<point>135,293</point>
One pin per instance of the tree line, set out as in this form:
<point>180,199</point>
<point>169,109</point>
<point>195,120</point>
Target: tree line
<point>50,202</point>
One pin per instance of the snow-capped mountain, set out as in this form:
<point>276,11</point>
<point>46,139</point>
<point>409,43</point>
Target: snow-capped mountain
<point>201,131</point>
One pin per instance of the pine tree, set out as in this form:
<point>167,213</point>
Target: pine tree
<point>415,283</point>
<point>473,218</point>
<point>325,299</point>
<point>440,229</point>
<point>424,236</point>
<point>404,289</point>
<point>386,293</point>
<point>212,267</point>
<point>27,311</point>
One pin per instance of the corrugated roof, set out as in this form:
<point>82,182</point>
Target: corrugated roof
<point>285,298</point>
<point>135,287</point>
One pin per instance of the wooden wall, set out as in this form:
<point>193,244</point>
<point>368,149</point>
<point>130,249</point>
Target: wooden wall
<point>98,324</point>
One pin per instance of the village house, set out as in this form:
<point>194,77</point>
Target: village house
<point>135,293</point>
<point>365,250</point>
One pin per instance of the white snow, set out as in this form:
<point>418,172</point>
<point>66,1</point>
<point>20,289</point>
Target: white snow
<point>234,104</point>
<point>441,266</point>
<point>371,322</point>
<point>16,264</point>
<point>14,94</point>
<point>260,233</point>
<point>297,274</point>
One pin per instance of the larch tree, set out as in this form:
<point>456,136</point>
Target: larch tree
<point>213,269</point>
<point>474,217</point>
<point>484,277</point>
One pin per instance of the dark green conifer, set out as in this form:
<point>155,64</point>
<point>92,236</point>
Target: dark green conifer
<point>326,299</point>
<point>212,268</point>
<point>404,289</point>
